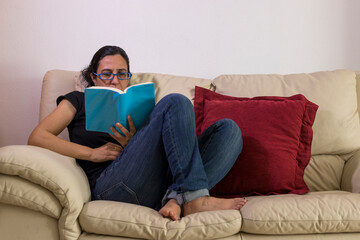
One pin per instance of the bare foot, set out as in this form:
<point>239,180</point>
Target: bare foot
<point>171,210</point>
<point>203,204</point>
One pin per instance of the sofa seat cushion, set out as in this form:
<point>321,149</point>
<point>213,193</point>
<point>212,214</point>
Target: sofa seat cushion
<point>249,236</point>
<point>129,220</point>
<point>315,212</point>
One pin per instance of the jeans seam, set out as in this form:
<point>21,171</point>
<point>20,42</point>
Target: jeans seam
<point>175,150</point>
<point>208,142</point>
<point>129,190</point>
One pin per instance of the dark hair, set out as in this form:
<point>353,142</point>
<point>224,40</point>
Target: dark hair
<point>94,64</point>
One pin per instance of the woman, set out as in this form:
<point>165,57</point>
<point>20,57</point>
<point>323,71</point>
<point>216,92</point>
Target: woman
<point>162,165</point>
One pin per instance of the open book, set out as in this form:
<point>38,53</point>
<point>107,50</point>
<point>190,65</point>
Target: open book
<point>105,106</point>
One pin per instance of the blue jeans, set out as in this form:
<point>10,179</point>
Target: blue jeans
<point>165,159</point>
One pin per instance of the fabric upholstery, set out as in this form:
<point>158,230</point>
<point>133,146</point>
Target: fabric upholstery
<point>336,127</point>
<point>129,220</point>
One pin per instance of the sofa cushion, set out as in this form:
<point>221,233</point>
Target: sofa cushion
<point>164,83</point>
<point>129,220</point>
<point>58,174</point>
<point>250,236</point>
<point>324,173</point>
<point>315,212</point>
<point>18,223</point>
<point>277,138</point>
<point>336,127</point>
<point>55,83</point>
<point>20,192</point>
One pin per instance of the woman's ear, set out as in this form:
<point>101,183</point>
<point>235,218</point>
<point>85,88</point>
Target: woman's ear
<point>93,78</point>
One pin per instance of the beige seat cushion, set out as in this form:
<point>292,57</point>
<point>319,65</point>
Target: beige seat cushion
<point>336,126</point>
<point>128,220</point>
<point>315,212</point>
<point>319,236</point>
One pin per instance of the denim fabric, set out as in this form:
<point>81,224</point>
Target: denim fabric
<point>165,159</point>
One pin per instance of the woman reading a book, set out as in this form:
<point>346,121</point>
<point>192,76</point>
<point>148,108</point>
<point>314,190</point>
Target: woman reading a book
<point>162,165</point>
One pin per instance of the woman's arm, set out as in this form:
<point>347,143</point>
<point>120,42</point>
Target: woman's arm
<point>45,135</point>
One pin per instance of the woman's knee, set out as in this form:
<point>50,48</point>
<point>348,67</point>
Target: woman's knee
<point>232,132</point>
<point>175,106</point>
<point>176,100</point>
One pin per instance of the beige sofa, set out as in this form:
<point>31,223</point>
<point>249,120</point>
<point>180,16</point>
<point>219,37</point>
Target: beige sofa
<point>44,195</point>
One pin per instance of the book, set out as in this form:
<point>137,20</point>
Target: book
<point>105,106</point>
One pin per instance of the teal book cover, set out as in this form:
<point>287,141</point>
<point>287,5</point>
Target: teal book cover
<point>105,106</point>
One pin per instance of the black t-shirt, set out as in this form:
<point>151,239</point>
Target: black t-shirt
<point>78,134</point>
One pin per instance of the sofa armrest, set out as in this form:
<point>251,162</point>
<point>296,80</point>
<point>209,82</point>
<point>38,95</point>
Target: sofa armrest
<point>351,174</point>
<point>356,180</point>
<point>57,173</point>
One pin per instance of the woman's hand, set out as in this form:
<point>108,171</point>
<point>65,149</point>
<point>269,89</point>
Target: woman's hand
<point>124,139</point>
<point>109,151</point>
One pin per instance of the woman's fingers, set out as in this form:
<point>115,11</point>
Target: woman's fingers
<point>116,134</point>
<point>115,148</point>
<point>108,151</point>
<point>124,138</point>
<point>131,125</point>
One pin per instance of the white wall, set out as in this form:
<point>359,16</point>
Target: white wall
<point>200,38</point>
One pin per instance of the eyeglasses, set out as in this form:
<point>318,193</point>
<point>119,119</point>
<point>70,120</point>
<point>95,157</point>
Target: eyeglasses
<point>110,76</point>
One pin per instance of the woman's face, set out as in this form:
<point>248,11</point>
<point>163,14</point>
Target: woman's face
<point>111,64</point>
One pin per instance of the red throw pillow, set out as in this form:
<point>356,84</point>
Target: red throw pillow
<point>277,136</point>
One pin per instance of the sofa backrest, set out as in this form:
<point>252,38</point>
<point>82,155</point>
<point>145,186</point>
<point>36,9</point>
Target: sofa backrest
<point>55,83</point>
<point>60,82</point>
<point>358,89</point>
<point>336,127</point>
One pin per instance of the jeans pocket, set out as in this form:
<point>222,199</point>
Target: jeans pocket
<point>119,192</point>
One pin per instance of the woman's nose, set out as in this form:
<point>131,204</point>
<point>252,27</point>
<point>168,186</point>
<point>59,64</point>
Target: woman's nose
<point>115,80</point>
